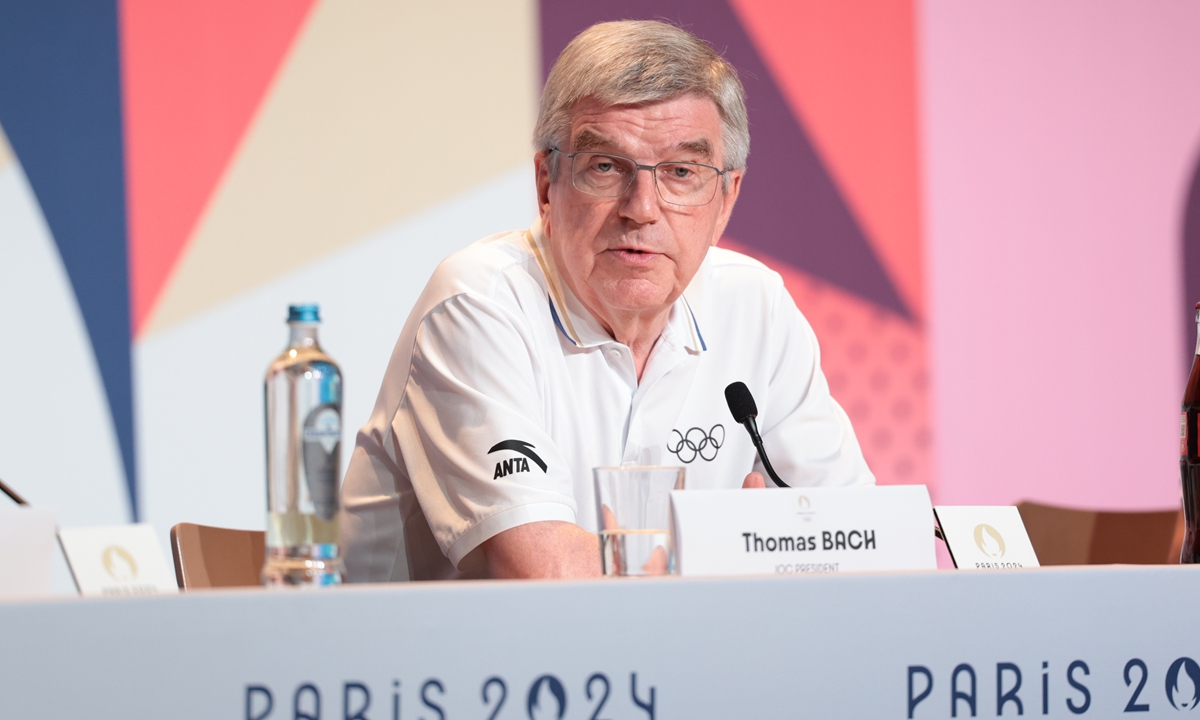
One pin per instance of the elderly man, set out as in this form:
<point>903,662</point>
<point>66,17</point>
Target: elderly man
<point>603,335</point>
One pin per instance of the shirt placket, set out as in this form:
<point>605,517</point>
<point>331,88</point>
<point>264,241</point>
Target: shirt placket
<point>657,401</point>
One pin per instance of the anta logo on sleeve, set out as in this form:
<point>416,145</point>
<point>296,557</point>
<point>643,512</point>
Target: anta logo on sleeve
<point>519,464</point>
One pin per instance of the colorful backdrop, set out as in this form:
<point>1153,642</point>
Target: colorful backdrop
<point>989,211</point>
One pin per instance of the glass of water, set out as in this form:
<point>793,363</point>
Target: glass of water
<point>634,508</point>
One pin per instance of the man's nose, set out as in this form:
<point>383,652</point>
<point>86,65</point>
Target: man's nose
<point>640,201</point>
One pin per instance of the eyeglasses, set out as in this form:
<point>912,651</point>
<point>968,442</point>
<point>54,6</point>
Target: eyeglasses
<point>678,183</point>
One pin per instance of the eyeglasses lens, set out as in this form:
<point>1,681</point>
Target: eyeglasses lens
<point>686,184</point>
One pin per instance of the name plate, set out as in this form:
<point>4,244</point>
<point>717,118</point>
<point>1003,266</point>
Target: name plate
<point>803,530</point>
<point>986,537</point>
<point>117,560</point>
<point>27,541</point>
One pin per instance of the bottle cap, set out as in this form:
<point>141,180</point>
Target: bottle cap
<point>307,313</point>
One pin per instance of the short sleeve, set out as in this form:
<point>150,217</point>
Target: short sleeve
<point>472,427</point>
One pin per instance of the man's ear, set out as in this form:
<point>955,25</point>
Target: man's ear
<point>541,166</point>
<point>727,200</point>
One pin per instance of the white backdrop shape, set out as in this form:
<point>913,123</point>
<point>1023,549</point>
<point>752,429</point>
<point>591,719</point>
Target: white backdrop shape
<point>200,394</point>
<point>58,446</point>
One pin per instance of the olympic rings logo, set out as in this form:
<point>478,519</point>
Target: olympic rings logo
<point>697,443</point>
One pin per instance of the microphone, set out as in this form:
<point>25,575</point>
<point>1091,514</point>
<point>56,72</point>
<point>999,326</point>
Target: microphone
<point>741,404</point>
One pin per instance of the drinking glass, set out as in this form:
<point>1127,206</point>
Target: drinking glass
<point>634,508</point>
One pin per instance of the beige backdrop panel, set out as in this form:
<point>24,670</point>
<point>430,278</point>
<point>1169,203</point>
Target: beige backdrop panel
<point>6,152</point>
<point>382,110</point>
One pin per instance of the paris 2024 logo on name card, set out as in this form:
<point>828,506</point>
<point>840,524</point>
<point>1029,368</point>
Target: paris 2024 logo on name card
<point>986,537</point>
<point>117,560</point>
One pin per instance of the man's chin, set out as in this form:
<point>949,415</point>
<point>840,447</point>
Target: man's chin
<point>636,295</point>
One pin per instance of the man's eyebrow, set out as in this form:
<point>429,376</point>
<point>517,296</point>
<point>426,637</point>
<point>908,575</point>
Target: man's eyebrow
<point>590,140</point>
<point>701,147</point>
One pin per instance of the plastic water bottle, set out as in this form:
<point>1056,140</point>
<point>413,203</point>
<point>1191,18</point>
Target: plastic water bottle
<point>303,391</point>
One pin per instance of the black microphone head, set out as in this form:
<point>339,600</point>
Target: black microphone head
<point>741,402</point>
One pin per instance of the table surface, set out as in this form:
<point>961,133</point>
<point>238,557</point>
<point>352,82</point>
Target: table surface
<point>853,645</point>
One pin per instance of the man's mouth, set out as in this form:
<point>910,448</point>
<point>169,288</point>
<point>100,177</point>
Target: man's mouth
<point>635,256</point>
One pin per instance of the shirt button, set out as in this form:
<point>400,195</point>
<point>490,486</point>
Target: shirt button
<point>614,353</point>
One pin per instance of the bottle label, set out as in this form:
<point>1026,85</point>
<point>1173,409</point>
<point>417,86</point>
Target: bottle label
<point>322,442</point>
<point>1183,434</point>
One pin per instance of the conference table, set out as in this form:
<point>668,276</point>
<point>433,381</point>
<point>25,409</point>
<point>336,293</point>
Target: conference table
<point>1097,641</point>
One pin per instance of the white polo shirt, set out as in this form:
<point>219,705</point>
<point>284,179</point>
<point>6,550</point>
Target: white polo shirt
<point>504,392</point>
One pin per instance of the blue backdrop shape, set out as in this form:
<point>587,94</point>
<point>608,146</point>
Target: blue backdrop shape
<point>60,105</point>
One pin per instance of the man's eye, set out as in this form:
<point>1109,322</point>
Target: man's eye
<point>678,173</point>
<point>604,165</point>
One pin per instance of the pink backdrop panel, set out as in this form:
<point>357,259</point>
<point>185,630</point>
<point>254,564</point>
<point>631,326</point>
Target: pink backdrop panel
<point>1059,139</point>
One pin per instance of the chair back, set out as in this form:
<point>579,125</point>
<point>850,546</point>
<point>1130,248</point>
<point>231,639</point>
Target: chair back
<point>1066,536</point>
<point>213,557</point>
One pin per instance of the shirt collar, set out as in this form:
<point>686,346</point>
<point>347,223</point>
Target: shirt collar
<point>577,324</point>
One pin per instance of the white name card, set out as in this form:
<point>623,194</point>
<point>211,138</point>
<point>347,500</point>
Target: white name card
<point>26,551</point>
<point>117,560</point>
<point>803,530</point>
<point>986,537</point>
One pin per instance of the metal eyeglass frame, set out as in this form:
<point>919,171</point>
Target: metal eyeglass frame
<point>637,168</point>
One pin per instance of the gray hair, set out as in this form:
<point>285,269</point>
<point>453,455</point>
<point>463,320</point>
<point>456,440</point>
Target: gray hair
<point>635,62</point>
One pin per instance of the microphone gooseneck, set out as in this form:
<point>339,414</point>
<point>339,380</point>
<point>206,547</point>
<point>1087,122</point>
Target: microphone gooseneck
<point>12,494</point>
<point>744,410</point>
